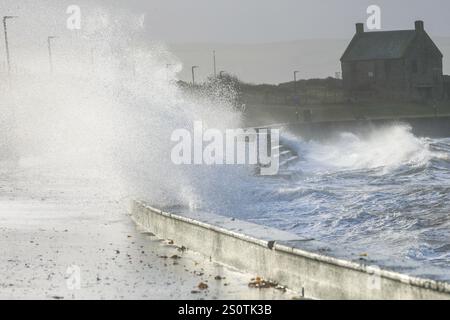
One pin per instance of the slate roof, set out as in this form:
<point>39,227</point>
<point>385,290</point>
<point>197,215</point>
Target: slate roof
<point>379,45</point>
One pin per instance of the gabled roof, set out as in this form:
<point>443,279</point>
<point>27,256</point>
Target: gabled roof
<point>379,45</point>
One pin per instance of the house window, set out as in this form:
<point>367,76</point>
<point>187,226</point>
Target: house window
<point>414,66</point>
<point>387,67</point>
<point>436,79</point>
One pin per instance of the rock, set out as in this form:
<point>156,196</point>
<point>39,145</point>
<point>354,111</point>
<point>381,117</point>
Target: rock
<point>202,286</point>
<point>260,283</point>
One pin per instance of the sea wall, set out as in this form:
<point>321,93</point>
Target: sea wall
<point>312,275</point>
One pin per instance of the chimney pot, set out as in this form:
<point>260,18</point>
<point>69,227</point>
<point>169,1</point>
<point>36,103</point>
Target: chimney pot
<point>359,28</point>
<point>419,25</point>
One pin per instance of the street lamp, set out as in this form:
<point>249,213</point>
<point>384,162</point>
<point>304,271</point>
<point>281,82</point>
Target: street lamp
<point>214,61</point>
<point>295,80</point>
<point>193,74</point>
<point>50,58</point>
<point>8,58</point>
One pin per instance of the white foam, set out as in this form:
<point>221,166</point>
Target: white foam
<point>388,148</point>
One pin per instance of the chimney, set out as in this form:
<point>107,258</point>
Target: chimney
<point>359,28</point>
<point>419,26</point>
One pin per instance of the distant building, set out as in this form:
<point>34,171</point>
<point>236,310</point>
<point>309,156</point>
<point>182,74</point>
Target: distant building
<point>400,65</point>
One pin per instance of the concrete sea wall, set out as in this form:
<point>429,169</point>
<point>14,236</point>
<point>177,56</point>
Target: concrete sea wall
<point>312,275</point>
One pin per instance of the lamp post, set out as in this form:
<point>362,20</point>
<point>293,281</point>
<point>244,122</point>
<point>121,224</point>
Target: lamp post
<point>193,74</point>
<point>295,81</point>
<point>168,65</point>
<point>296,97</point>
<point>8,57</point>
<point>214,61</point>
<point>50,57</point>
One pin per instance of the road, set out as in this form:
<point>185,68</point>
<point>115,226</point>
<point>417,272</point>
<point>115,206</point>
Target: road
<point>63,237</point>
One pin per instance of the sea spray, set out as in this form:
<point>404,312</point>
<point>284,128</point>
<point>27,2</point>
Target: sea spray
<point>109,107</point>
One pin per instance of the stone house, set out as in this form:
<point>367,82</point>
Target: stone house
<point>393,65</point>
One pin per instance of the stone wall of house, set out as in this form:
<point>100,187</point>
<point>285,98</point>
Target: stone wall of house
<point>380,79</point>
<point>423,69</point>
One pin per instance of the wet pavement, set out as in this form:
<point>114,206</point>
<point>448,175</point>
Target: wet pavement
<point>63,237</point>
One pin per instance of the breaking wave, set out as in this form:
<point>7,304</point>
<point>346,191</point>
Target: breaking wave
<point>112,103</point>
<point>385,148</point>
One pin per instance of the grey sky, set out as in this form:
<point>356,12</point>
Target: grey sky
<point>250,21</point>
<point>311,35</point>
